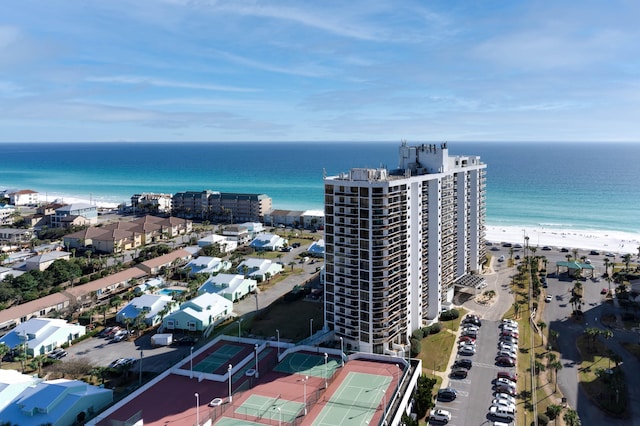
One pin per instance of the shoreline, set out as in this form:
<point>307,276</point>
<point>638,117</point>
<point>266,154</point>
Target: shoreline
<point>539,236</point>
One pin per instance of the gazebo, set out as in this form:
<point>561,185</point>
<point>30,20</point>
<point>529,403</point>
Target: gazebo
<point>575,269</point>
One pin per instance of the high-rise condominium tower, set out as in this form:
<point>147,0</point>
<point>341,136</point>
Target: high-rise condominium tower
<point>397,240</point>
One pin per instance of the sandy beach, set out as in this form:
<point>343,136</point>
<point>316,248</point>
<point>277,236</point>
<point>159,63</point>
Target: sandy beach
<point>603,241</point>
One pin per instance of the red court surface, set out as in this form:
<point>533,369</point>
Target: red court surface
<point>172,400</point>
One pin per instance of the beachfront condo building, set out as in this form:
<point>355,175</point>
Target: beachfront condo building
<point>396,243</point>
<point>220,206</point>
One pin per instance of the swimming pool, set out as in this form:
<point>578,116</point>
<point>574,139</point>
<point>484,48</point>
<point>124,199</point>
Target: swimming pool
<point>170,291</point>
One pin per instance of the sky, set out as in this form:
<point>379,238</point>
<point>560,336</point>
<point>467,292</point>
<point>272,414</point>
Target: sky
<point>358,70</point>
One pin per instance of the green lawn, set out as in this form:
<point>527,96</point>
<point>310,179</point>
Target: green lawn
<point>436,350</point>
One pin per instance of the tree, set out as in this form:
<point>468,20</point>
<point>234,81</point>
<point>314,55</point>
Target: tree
<point>4,349</point>
<point>592,333</point>
<point>103,309</point>
<point>606,267</point>
<point>555,366</point>
<point>554,335</point>
<point>424,397</point>
<point>553,411</point>
<point>571,418</point>
<point>627,261</point>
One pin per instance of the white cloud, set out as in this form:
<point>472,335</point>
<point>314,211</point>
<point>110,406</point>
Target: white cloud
<point>158,82</point>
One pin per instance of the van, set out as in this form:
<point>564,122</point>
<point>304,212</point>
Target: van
<point>504,413</point>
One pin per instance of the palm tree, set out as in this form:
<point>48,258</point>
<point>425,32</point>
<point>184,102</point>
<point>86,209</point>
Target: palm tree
<point>554,335</point>
<point>627,261</point>
<point>575,253</point>
<point>606,267</point>
<point>571,418</point>
<point>555,366</point>
<point>592,333</point>
<point>554,411</point>
<point>103,309</point>
<point>607,334</point>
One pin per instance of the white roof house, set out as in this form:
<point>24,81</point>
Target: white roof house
<point>43,261</point>
<point>225,243</point>
<point>206,265</point>
<point>230,286</point>
<point>259,268</point>
<point>199,313</point>
<point>58,402</point>
<point>270,242</point>
<point>42,335</point>
<point>151,305</point>
<point>12,383</point>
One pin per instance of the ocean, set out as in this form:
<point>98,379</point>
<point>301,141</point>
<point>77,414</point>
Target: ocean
<point>555,185</point>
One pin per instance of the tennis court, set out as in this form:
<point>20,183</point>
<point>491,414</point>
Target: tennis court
<point>217,359</point>
<point>308,365</point>
<point>263,407</point>
<point>356,400</point>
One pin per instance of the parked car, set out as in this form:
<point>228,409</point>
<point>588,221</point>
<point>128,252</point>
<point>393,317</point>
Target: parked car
<point>463,363</point>
<point>505,389</point>
<point>466,339</point>
<point>459,373</point>
<point>510,333</point>
<point>508,397</point>
<point>505,361</point>
<point>439,415</point>
<point>604,291</point>
<point>447,394</point>
<point>497,402</point>
<point>502,413</point>
<point>548,299</point>
<point>509,340</point>
<point>57,353</point>
<point>508,321</point>
<point>504,381</point>
<point>471,328</point>
<point>216,402</point>
<point>508,375</point>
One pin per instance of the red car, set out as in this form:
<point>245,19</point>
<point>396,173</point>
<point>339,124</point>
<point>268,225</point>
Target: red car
<point>508,375</point>
<point>467,339</point>
<point>513,334</point>
<point>604,291</point>
<point>505,361</point>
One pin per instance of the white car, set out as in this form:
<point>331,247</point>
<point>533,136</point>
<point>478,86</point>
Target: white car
<point>467,350</point>
<point>440,415</point>
<point>548,299</point>
<point>508,346</point>
<point>471,328</point>
<point>503,403</point>
<point>505,397</point>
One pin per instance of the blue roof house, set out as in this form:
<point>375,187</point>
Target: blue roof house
<point>152,306</point>
<point>58,402</point>
<point>316,249</point>
<point>207,265</point>
<point>230,286</point>
<point>259,268</point>
<point>268,242</point>
<point>42,335</point>
<point>199,313</point>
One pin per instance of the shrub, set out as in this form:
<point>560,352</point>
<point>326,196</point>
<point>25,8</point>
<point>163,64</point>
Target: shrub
<point>418,334</point>
<point>426,331</point>
<point>435,328</point>
<point>415,347</point>
<point>543,419</point>
<point>449,315</point>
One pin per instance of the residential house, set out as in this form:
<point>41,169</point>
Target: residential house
<point>42,335</point>
<point>316,249</point>
<point>43,261</point>
<point>151,203</point>
<point>225,243</point>
<point>230,286</point>
<point>41,307</point>
<point>157,265</point>
<point>87,211</point>
<point>59,402</point>
<point>268,242</point>
<point>5,272</point>
<point>259,268</point>
<point>237,232</point>
<point>199,313</point>
<point>313,219</point>
<point>12,384</point>
<point>104,288</point>
<point>152,306</point>
<point>7,212</point>
<point>206,265</point>
<point>24,197</point>
<point>15,235</point>
<point>280,217</point>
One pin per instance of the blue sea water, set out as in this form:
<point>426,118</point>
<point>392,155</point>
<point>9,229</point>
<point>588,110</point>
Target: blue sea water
<point>563,185</point>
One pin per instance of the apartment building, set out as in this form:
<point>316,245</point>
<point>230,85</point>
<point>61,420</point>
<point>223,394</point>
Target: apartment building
<point>221,206</point>
<point>397,240</point>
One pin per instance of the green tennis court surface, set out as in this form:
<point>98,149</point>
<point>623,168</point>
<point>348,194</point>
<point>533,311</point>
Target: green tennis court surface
<point>227,421</point>
<point>263,407</point>
<point>356,400</point>
<point>308,365</point>
<point>220,357</point>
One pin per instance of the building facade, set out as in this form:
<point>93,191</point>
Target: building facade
<point>397,240</point>
<point>221,206</point>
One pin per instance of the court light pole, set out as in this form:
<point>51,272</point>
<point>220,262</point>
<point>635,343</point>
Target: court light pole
<point>230,395</point>
<point>239,321</point>
<point>140,378</point>
<point>342,350</point>
<point>326,357</point>
<point>197,409</point>
<point>257,374</point>
<point>279,416</point>
<point>278,334</point>
<point>310,327</point>
<point>305,394</point>
<point>191,363</point>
